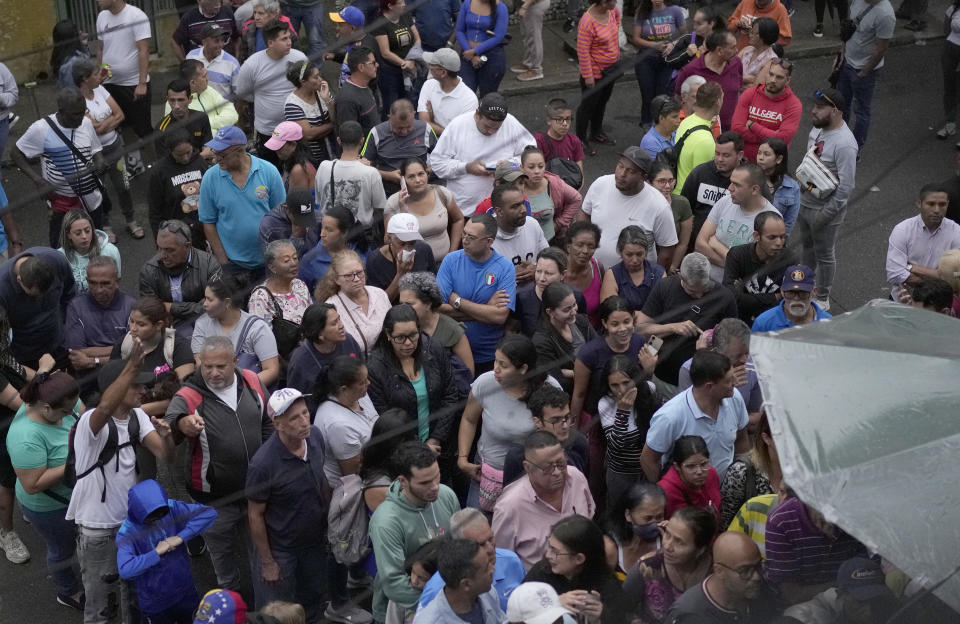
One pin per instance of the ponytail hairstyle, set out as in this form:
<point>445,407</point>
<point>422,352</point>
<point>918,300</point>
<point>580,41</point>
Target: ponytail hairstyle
<point>153,310</point>
<point>342,372</point>
<point>57,389</point>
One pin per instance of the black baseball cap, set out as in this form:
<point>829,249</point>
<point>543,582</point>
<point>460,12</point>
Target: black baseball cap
<point>830,97</point>
<point>300,207</point>
<point>112,369</point>
<point>493,106</point>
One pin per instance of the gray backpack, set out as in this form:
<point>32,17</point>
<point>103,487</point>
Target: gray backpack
<point>347,521</point>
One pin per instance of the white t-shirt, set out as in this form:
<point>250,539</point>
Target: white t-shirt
<point>734,226</point>
<point>461,143</point>
<point>57,160</point>
<point>523,245</point>
<point>345,432</point>
<point>446,106</point>
<point>263,81</point>
<point>99,109</point>
<point>85,507</point>
<point>228,395</point>
<point>612,211</point>
<point>119,34</point>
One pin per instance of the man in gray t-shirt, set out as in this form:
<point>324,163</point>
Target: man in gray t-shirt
<point>863,58</point>
<point>820,218</point>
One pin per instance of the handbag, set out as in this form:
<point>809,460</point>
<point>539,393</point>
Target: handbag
<point>286,332</point>
<point>679,57</point>
<point>83,160</point>
<point>814,176</point>
<point>245,360</point>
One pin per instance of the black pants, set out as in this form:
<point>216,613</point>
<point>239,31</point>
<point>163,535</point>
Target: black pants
<point>841,7</point>
<point>135,111</point>
<point>593,104</point>
<point>116,183</point>
<point>949,60</point>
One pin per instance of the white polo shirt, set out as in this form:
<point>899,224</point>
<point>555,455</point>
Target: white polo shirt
<point>446,106</point>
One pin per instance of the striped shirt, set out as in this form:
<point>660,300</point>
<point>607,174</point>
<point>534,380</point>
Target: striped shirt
<point>624,439</point>
<point>598,45</point>
<point>751,520</point>
<point>798,552</point>
<point>220,71</point>
<point>59,164</point>
<point>315,113</point>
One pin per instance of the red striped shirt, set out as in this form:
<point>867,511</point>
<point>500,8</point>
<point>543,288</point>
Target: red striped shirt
<point>598,45</point>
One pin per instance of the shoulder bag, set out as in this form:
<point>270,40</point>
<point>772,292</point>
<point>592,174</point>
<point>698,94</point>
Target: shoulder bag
<point>286,332</point>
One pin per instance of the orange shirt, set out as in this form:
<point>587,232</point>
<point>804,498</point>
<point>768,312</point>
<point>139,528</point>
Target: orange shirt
<point>598,45</point>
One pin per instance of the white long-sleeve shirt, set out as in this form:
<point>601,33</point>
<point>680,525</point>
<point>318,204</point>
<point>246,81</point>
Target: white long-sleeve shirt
<point>461,143</point>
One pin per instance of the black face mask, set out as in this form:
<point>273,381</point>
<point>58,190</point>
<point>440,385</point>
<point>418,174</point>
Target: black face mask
<point>649,532</point>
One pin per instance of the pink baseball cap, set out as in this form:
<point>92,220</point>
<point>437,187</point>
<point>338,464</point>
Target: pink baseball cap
<point>284,132</point>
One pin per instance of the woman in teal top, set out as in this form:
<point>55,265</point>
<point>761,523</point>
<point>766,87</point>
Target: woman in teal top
<point>37,443</point>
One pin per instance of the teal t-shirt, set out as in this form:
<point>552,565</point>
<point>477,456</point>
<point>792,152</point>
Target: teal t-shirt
<point>423,407</point>
<point>542,209</point>
<point>34,445</point>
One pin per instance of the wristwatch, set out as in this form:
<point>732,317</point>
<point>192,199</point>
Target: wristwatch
<point>909,268</point>
<point>456,303</point>
<point>96,361</point>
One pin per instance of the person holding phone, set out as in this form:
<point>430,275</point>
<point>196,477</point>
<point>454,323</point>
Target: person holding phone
<point>402,252</point>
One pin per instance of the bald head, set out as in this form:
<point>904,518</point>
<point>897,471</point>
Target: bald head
<point>736,548</point>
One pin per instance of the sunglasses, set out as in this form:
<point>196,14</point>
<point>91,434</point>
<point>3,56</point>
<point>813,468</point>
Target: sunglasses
<point>820,95</point>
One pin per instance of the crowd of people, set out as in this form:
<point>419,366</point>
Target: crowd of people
<point>393,339</point>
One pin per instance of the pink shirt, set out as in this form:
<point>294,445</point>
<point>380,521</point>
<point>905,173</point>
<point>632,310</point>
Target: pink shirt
<point>365,328</point>
<point>522,520</point>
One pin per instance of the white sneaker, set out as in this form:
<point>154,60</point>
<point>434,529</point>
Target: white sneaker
<point>948,130</point>
<point>347,614</point>
<point>12,545</point>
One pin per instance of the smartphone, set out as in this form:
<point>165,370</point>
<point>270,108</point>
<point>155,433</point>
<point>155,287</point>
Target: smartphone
<point>491,167</point>
<point>653,345</point>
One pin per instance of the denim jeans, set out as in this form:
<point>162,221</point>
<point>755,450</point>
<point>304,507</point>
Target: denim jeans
<point>488,76</point>
<point>60,535</point>
<point>853,87</point>
<point>4,131</point>
<point>97,551</point>
<point>303,573</point>
<point>653,78</point>
<point>312,19</point>
<point>819,239</point>
<point>222,537</point>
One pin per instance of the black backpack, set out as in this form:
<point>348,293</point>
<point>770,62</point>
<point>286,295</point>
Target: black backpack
<point>110,450</point>
<point>568,170</point>
<point>671,155</point>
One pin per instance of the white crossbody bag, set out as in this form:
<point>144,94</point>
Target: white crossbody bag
<point>814,176</point>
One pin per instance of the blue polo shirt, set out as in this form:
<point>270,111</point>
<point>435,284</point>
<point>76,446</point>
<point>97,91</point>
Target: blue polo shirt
<point>237,211</point>
<point>508,573</point>
<point>295,491</point>
<point>477,281</point>
<point>653,143</point>
<point>682,416</point>
<point>775,318</point>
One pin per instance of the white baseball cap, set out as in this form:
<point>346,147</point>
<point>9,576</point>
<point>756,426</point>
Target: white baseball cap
<point>404,226</point>
<point>281,400</point>
<point>534,603</point>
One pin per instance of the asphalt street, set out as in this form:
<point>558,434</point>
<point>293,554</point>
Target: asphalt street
<point>901,155</point>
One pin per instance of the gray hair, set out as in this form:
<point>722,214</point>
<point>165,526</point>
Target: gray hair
<point>270,6</point>
<point>689,84</point>
<point>695,270</point>
<point>273,250</point>
<point>730,329</point>
<point>176,228</point>
<point>464,519</point>
<point>634,235</point>
<point>103,262</point>
<point>424,284</point>
<point>217,343</point>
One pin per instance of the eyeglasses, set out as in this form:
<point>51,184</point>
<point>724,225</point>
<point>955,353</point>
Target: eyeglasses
<point>785,63</point>
<point>558,420</point>
<point>355,276</point>
<point>177,227</point>
<point>471,237</point>
<point>746,572</point>
<point>703,466</point>
<point>373,62</point>
<point>665,181</point>
<point>797,294</point>
<point>562,120</point>
<point>823,96</point>
<point>405,338</point>
<point>549,468</point>
<point>553,552</point>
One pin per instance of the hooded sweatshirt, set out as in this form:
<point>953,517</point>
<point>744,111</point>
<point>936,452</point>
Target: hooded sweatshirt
<point>78,262</point>
<point>162,580</point>
<point>777,116</point>
<point>680,495</point>
<point>397,529</point>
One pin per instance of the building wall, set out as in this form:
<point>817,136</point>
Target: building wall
<point>25,36</point>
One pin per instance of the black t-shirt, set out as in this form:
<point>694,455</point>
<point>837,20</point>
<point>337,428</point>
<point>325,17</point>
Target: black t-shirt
<point>702,188</point>
<point>156,361</point>
<point>754,284</point>
<point>356,103</point>
<point>381,270</point>
<point>669,303</point>
<point>399,35</point>
<point>175,194</point>
<point>197,125</point>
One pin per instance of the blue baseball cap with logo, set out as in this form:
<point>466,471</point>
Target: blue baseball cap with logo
<point>862,579</point>
<point>227,136</point>
<point>349,15</point>
<point>798,277</point>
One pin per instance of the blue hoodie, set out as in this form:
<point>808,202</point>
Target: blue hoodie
<point>162,582</point>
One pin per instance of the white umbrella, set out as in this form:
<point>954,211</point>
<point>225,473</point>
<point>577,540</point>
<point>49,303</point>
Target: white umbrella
<point>865,412</point>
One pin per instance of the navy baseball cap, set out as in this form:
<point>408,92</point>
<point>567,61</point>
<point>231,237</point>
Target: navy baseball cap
<point>227,136</point>
<point>862,579</point>
<point>798,277</point>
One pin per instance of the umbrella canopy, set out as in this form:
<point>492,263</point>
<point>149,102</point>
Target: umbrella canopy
<point>865,412</point>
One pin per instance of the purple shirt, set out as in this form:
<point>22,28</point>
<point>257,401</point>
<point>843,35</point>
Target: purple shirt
<point>729,82</point>
<point>88,324</point>
<point>798,552</point>
<point>911,242</point>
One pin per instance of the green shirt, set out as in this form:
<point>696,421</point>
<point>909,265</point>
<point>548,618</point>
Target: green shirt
<point>35,445</point>
<point>423,407</point>
<point>542,209</point>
